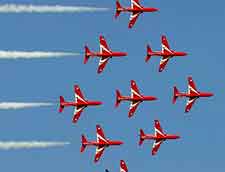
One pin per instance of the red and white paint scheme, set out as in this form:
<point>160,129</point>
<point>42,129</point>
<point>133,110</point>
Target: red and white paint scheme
<point>166,53</point>
<point>123,167</point>
<point>159,137</point>
<point>101,143</point>
<point>136,9</point>
<point>136,98</point>
<point>105,54</point>
<point>80,103</point>
<point>193,94</point>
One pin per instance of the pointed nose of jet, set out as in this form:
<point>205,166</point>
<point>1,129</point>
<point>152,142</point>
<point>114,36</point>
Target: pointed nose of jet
<point>99,103</point>
<point>178,137</point>
<point>120,142</point>
<point>154,98</point>
<point>155,9</point>
<point>184,54</point>
<point>210,94</point>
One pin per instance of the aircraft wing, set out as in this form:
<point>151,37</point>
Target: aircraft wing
<point>104,48</point>
<point>133,19</point>
<point>165,45</point>
<point>77,113</point>
<point>123,166</point>
<point>133,107</point>
<point>158,129</point>
<point>135,4</point>
<point>156,146</point>
<point>79,97</point>
<point>190,103</point>
<point>163,63</point>
<point>100,135</point>
<point>102,63</point>
<point>191,86</point>
<point>135,93</point>
<point>99,152</point>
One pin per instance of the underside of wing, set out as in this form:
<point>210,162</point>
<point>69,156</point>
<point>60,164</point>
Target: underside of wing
<point>158,129</point>
<point>163,63</point>
<point>135,4</point>
<point>133,107</point>
<point>102,63</point>
<point>99,152</point>
<point>165,45</point>
<point>104,48</point>
<point>156,146</point>
<point>77,113</point>
<point>190,103</point>
<point>192,89</point>
<point>79,97</point>
<point>133,19</point>
<point>135,93</point>
<point>100,135</point>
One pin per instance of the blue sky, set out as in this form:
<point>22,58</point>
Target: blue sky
<point>191,26</point>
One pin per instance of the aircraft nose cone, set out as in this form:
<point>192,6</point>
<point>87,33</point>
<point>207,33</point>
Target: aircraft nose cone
<point>211,94</point>
<point>154,98</point>
<point>120,142</point>
<point>155,9</point>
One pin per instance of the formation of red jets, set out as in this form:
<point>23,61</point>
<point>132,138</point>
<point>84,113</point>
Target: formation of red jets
<point>136,97</point>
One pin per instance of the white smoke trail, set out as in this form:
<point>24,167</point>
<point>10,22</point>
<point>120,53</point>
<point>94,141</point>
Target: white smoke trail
<point>30,145</point>
<point>33,54</point>
<point>21,8</point>
<point>21,105</point>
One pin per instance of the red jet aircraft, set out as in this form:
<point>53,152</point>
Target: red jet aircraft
<point>136,98</point>
<point>105,54</point>
<point>101,143</point>
<point>166,53</point>
<point>193,94</point>
<point>80,103</point>
<point>159,137</point>
<point>136,9</point>
<point>123,167</point>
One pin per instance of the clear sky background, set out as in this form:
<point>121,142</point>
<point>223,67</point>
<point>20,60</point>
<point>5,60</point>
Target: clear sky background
<point>196,27</point>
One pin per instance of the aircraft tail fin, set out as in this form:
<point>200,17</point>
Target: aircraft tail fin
<point>118,9</point>
<point>118,98</point>
<point>84,143</point>
<point>87,54</point>
<point>175,94</point>
<point>141,136</point>
<point>149,53</point>
<point>61,101</point>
